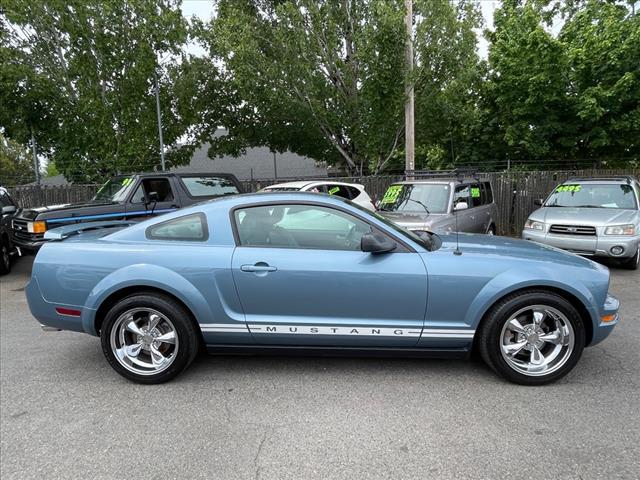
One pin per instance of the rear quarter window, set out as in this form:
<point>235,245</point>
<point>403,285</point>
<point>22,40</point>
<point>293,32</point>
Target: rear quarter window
<point>192,228</point>
<point>207,186</point>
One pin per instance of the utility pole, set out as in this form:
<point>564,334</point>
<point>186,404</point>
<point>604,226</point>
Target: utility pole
<point>36,164</point>
<point>155,76</point>
<point>409,132</point>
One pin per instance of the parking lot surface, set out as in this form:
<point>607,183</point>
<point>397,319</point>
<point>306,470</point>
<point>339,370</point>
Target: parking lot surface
<point>66,414</point>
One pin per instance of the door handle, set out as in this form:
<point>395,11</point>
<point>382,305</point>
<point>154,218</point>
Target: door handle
<point>258,267</point>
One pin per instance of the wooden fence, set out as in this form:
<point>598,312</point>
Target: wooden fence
<point>514,192</point>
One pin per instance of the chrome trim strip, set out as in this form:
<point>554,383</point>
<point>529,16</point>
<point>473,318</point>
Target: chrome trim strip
<point>344,330</point>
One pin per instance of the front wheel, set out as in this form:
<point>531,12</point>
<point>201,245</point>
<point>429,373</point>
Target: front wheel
<point>149,338</point>
<point>532,337</point>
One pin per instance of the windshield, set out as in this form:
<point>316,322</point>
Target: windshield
<point>424,198</point>
<point>593,195</point>
<point>425,242</point>
<point>113,191</point>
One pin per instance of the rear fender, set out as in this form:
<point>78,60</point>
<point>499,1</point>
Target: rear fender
<point>144,275</point>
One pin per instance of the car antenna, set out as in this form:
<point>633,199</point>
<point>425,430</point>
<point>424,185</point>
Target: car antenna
<point>457,251</point>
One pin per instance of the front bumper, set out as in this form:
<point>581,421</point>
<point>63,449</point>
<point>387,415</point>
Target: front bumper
<point>27,243</point>
<point>595,246</point>
<point>604,328</point>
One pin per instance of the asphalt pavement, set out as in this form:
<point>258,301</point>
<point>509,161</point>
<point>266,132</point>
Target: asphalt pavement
<point>64,413</point>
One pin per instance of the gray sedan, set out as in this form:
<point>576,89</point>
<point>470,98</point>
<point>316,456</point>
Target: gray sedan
<point>598,217</point>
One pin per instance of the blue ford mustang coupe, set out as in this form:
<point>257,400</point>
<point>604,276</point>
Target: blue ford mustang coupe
<point>308,272</point>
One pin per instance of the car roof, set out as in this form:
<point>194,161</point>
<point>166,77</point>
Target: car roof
<point>440,181</point>
<point>304,183</point>
<point>613,180</point>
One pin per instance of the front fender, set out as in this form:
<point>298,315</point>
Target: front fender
<point>516,279</point>
<point>144,275</point>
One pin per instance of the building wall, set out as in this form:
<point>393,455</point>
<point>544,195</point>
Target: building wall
<point>256,163</point>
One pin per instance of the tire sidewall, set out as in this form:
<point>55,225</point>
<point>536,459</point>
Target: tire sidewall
<point>185,330</point>
<point>5,267</point>
<point>490,347</point>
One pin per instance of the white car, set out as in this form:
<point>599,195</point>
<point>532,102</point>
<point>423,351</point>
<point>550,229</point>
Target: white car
<point>351,191</point>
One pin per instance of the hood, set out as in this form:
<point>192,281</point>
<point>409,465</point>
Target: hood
<point>596,217</point>
<point>505,247</point>
<point>416,220</point>
<point>43,213</point>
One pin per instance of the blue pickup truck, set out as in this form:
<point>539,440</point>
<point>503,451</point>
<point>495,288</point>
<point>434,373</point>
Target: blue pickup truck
<point>126,197</point>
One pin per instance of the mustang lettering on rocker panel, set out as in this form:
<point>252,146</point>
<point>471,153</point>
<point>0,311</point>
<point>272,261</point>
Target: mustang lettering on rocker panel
<point>355,330</point>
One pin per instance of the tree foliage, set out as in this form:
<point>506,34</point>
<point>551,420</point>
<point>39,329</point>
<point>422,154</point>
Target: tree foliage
<point>571,97</point>
<point>80,75</point>
<point>16,163</point>
<point>326,79</point>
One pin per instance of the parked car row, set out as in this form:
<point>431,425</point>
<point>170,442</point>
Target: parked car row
<point>597,217</point>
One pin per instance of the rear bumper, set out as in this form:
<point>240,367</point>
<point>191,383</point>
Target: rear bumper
<point>45,312</point>
<point>595,246</point>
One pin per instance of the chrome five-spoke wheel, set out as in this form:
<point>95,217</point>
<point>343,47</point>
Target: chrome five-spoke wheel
<point>144,341</point>
<point>537,340</point>
<point>532,337</point>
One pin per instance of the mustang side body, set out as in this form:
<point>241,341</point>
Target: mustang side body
<point>314,273</point>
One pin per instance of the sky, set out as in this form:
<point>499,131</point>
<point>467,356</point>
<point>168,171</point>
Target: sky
<point>204,8</point>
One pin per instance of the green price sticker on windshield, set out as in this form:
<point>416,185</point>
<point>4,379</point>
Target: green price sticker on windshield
<point>334,190</point>
<point>568,188</point>
<point>392,194</point>
<point>475,192</point>
<point>126,181</point>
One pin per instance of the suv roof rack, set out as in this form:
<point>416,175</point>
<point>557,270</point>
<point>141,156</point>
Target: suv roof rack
<point>457,173</point>
<point>626,178</point>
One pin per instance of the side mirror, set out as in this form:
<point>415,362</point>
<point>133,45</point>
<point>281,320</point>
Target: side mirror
<point>538,202</point>
<point>152,197</point>
<point>9,209</point>
<point>461,206</point>
<point>376,243</point>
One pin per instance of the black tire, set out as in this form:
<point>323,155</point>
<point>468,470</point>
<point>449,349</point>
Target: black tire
<point>632,263</point>
<point>5,258</point>
<point>185,327</point>
<point>489,340</point>
<point>491,230</point>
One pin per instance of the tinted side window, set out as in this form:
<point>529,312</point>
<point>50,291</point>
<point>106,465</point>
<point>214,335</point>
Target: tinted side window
<point>5,200</point>
<point>190,227</point>
<point>476,195</point>
<point>209,186</point>
<point>487,193</point>
<point>299,226</point>
<point>339,191</point>
<point>462,194</point>
<point>159,185</point>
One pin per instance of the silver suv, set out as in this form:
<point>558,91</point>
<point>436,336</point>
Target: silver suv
<point>597,217</point>
<point>434,204</point>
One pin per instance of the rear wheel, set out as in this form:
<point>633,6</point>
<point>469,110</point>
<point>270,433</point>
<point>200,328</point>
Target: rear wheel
<point>634,262</point>
<point>149,338</point>
<point>5,258</point>
<point>491,230</point>
<point>532,337</point>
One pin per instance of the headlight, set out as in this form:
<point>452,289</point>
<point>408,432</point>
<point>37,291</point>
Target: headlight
<point>37,227</point>
<point>533,225</point>
<point>620,230</point>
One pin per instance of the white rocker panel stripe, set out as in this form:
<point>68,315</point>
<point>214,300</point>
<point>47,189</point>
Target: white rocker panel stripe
<point>349,330</point>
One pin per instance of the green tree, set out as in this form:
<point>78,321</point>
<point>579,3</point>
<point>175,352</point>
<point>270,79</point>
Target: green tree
<point>325,79</point>
<point>566,100</point>
<point>89,65</point>
<point>16,163</point>
<point>602,44</point>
